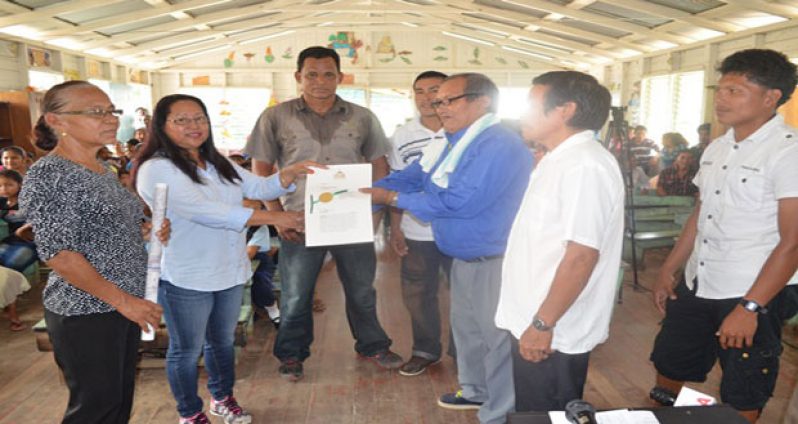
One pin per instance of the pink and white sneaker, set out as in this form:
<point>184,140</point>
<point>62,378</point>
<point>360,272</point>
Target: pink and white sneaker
<point>229,409</point>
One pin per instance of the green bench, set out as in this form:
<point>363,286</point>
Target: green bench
<point>658,222</point>
<point>161,342</point>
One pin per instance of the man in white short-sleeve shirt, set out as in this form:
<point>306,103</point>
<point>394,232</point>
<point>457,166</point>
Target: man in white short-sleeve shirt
<point>412,238</point>
<point>740,245</point>
<point>564,251</point>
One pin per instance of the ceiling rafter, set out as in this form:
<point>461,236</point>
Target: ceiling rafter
<point>220,32</point>
<point>140,15</point>
<point>532,22</point>
<point>596,19</point>
<point>53,10</point>
<point>772,8</point>
<point>677,15</point>
<point>179,25</point>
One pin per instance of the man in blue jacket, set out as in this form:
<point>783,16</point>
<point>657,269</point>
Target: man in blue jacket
<point>469,186</point>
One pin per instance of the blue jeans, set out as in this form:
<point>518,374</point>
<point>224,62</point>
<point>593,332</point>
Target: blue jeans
<point>17,255</point>
<point>262,288</point>
<point>199,322</point>
<point>299,269</point>
<point>420,276</point>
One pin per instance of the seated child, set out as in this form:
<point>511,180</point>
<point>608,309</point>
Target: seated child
<point>17,250</point>
<point>263,247</point>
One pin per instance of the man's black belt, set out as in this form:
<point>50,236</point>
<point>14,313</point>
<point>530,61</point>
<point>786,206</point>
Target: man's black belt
<point>484,258</point>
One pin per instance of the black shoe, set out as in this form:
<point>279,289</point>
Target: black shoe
<point>291,370</point>
<point>386,359</point>
<point>416,365</point>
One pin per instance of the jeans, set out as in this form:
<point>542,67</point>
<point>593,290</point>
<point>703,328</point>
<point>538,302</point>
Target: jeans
<point>200,322</point>
<point>97,354</point>
<point>299,269</point>
<point>420,276</point>
<point>17,255</point>
<point>262,288</point>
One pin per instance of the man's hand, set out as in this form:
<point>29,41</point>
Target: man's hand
<point>379,196</point>
<point>397,242</point>
<point>663,290</point>
<point>737,329</point>
<point>534,345</point>
<point>290,221</point>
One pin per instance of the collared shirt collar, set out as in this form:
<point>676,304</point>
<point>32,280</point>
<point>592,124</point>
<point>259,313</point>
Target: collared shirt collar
<point>574,140</point>
<point>340,105</point>
<point>761,134</point>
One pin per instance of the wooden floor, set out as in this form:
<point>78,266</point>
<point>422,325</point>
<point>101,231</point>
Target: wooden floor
<point>340,388</point>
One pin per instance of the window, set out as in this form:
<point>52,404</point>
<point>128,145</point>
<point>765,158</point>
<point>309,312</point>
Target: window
<point>513,101</point>
<point>42,81</point>
<point>673,103</point>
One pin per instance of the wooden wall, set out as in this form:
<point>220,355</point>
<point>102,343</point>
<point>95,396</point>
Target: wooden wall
<point>20,115</point>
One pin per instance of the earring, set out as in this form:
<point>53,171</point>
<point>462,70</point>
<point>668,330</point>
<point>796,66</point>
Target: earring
<point>63,134</point>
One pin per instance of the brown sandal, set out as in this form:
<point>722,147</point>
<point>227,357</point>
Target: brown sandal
<point>17,325</point>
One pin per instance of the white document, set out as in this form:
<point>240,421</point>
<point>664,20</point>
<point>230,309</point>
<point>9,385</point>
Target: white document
<point>690,397</point>
<point>154,254</point>
<point>620,416</point>
<point>336,212</point>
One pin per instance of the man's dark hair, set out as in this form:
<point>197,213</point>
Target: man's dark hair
<point>11,175</point>
<point>706,126</point>
<point>479,84</point>
<point>641,128</point>
<point>592,99</point>
<point>317,52</point>
<point>768,68</point>
<point>429,74</point>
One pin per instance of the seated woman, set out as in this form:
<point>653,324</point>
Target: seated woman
<point>673,143</point>
<point>677,180</point>
<point>17,250</point>
<point>12,284</point>
<point>15,159</point>
<point>205,266</point>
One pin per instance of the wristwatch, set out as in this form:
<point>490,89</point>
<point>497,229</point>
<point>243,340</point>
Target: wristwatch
<point>540,325</point>
<point>752,306</point>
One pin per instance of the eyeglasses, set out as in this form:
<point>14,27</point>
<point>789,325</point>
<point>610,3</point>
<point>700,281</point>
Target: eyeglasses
<point>184,121</point>
<point>96,113</point>
<point>449,100</point>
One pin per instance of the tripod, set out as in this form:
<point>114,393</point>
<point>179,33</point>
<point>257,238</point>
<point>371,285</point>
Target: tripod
<point>617,142</point>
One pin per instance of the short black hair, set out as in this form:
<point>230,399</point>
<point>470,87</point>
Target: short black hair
<point>317,52</point>
<point>11,175</point>
<point>768,68</point>
<point>641,128</point>
<point>706,126</point>
<point>479,85</point>
<point>429,74</point>
<point>592,99</point>
<point>19,151</point>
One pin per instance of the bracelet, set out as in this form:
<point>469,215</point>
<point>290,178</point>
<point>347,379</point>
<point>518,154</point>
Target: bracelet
<point>394,196</point>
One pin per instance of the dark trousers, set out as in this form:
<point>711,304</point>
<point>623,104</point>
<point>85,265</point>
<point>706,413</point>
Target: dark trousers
<point>420,276</point>
<point>97,354</point>
<point>550,384</point>
<point>262,288</point>
<point>299,270</point>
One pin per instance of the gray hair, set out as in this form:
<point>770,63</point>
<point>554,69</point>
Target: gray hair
<point>480,84</point>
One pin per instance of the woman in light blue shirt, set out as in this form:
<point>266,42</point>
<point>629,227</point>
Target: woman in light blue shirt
<point>205,266</point>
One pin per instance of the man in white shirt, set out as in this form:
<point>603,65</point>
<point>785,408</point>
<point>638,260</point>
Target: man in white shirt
<point>741,241</point>
<point>564,251</point>
<point>412,238</point>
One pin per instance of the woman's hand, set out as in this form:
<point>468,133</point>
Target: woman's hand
<point>289,174</point>
<point>163,234</point>
<point>140,311</point>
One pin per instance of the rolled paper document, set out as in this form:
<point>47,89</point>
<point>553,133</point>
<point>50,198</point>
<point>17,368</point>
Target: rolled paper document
<point>155,252</point>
